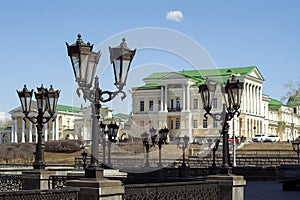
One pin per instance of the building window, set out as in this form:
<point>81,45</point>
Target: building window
<point>195,104</point>
<point>177,103</point>
<point>172,104</point>
<point>171,124</point>
<point>159,105</point>
<point>151,105</point>
<point>142,106</point>
<point>204,123</point>
<point>195,123</point>
<point>177,123</point>
<point>215,103</point>
<point>215,124</point>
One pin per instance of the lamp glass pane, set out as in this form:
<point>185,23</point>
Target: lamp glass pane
<point>117,70</point>
<point>76,66</point>
<point>84,58</point>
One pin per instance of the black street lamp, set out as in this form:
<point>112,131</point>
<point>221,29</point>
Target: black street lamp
<point>112,135</point>
<point>84,62</point>
<point>296,149</point>
<point>232,92</point>
<point>46,105</point>
<point>163,134</point>
<point>145,139</point>
<point>84,155</point>
<point>152,131</point>
<point>103,135</point>
<point>182,143</point>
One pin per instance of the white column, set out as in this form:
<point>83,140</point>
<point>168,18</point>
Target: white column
<point>188,97</point>
<point>183,97</point>
<point>251,99</point>
<point>260,101</point>
<point>161,98</point>
<point>53,130</point>
<point>46,132</point>
<point>16,130</point>
<point>30,131</point>
<point>12,139</point>
<point>166,98</point>
<point>23,131</point>
<point>56,129</point>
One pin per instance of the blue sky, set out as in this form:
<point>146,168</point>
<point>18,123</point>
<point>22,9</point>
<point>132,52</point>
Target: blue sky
<point>233,33</point>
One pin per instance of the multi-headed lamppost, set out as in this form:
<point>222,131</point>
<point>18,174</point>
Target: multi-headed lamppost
<point>145,139</point>
<point>182,143</point>
<point>163,134</point>
<point>84,62</point>
<point>112,135</point>
<point>46,109</point>
<point>232,92</point>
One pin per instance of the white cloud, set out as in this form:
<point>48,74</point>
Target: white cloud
<point>175,15</point>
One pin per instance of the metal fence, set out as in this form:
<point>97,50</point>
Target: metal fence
<point>192,190</point>
<point>10,182</point>
<point>41,195</point>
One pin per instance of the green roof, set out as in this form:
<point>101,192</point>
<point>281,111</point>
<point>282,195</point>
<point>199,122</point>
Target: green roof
<point>275,104</point>
<point>199,75</point>
<point>67,108</point>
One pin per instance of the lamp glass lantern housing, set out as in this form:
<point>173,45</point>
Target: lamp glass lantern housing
<point>234,89</point>
<point>145,137</point>
<point>41,98</point>
<point>25,98</point>
<point>121,57</point>
<point>79,53</point>
<point>52,98</point>
<point>207,91</point>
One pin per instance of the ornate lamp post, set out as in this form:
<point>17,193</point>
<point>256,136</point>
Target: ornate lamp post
<point>84,155</point>
<point>103,135</point>
<point>296,149</point>
<point>46,110</point>
<point>145,139</point>
<point>112,135</point>
<point>84,62</point>
<point>182,143</point>
<point>232,92</point>
<point>163,133</point>
<point>152,131</point>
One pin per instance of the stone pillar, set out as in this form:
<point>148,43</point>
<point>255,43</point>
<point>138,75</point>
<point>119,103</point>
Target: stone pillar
<point>231,186</point>
<point>97,189</point>
<point>161,98</point>
<point>35,179</point>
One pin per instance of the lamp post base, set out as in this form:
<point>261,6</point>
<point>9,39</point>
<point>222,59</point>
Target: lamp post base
<point>94,172</point>
<point>225,170</point>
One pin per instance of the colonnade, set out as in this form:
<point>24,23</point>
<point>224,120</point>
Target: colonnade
<point>30,128</point>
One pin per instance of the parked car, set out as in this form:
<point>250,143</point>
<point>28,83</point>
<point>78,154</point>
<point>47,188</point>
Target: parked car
<point>259,138</point>
<point>272,138</point>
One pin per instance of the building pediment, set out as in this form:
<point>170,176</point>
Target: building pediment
<point>174,78</point>
<point>256,74</point>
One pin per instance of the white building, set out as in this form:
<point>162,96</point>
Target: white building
<point>171,99</point>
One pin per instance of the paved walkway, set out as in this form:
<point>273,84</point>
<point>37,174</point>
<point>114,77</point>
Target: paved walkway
<point>268,190</point>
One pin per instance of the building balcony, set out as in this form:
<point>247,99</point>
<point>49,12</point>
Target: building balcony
<point>174,109</point>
